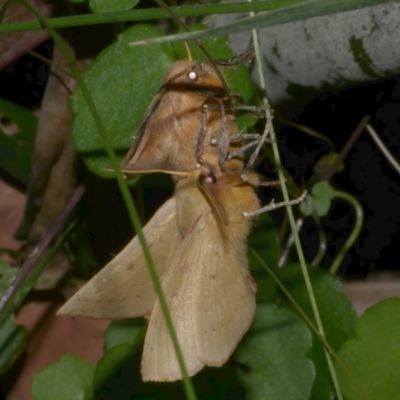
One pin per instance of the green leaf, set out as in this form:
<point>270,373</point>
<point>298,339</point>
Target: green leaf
<point>69,379</point>
<point>129,331</point>
<point>271,357</point>
<point>16,150</point>
<point>322,195</point>
<point>337,313</point>
<point>7,275</point>
<point>123,80</point>
<point>373,357</point>
<point>122,339</point>
<point>109,365</point>
<point>13,339</point>
<point>265,241</point>
<point>101,6</point>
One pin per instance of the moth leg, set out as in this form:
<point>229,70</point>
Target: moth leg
<point>242,149</point>
<point>239,137</point>
<point>224,140</point>
<point>254,156</point>
<point>273,206</point>
<point>201,134</point>
<point>240,59</point>
<point>269,183</point>
<point>257,111</point>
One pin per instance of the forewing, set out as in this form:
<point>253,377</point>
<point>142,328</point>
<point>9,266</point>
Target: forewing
<point>140,133</point>
<point>224,301</point>
<point>123,288</point>
<point>159,362</point>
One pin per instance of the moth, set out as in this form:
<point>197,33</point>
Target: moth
<point>183,120</point>
<point>198,243</point>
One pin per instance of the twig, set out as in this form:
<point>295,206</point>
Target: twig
<point>41,246</point>
<point>347,147</point>
<point>395,164</point>
<point>289,243</point>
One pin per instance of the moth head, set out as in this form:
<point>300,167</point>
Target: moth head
<point>194,75</point>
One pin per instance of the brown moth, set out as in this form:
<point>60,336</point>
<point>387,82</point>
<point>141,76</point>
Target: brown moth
<point>178,127</point>
<point>199,249</point>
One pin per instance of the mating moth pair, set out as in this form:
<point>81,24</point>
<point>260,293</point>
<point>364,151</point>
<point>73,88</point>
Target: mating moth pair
<point>197,238</point>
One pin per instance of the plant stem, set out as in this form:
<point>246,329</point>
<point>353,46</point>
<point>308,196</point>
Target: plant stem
<point>291,216</point>
<point>354,233</point>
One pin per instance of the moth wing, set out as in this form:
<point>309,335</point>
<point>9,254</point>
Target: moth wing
<point>224,299</point>
<point>123,288</point>
<point>159,362</point>
<point>157,143</point>
<point>142,128</point>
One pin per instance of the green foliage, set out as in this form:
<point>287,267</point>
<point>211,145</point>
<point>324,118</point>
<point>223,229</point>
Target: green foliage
<point>264,240</point>
<point>272,357</point>
<point>13,339</point>
<point>373,357</point>
<point>321,197</point>
<point>102,6</point>
<point>16,149</point>
<point>69,379</point>
<point>122,80</point>
<point>124,332</point>
<point>110,365</point>
<point>279,358</point>
<point>337,313</point>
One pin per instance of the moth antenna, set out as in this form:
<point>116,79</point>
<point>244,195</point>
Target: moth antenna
<point>163,5</point>
<point>206,185</point>
<point>149,171</point>
<point>188,51</point>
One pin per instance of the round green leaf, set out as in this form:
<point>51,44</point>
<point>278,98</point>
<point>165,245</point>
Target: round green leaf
<point>337,313</point>
<point>101,6</point>
<point>271,357</point>
<point>321,197</point>
<point>373,358</point>
<point>122,80</point>
<point>69,379</point>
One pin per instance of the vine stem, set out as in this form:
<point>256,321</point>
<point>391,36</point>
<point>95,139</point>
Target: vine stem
<point>354,233</point>
<point>290,214</point>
